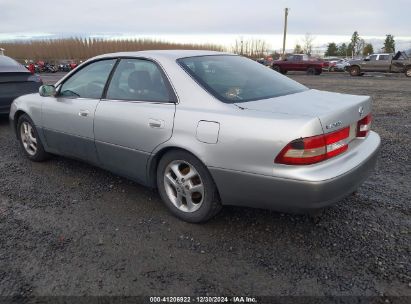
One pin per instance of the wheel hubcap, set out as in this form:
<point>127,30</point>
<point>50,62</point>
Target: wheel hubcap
<point>409,73</point>
<point>28,138</point>
<point>184,186</point>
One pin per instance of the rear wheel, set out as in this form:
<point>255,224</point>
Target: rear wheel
<point>186,187</point>
<point>408,71</point>
<point>311,71</point>
<point>29,139</point>
<point>355,71</point>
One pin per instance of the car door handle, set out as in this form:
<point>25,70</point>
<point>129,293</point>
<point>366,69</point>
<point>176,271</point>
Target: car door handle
<point>156,123</point>
<point>84,113</point>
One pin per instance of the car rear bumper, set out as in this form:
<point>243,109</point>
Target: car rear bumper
<point>297,195</point>
<point>5,103</point>
<point>10,91</point>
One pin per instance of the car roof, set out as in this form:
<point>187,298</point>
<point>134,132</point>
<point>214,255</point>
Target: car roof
<point>164,54</point>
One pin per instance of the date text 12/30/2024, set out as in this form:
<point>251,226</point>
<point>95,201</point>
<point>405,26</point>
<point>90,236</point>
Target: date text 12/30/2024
<point>239,299</point>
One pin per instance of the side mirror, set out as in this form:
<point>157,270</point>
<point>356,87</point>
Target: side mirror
<point>47,90</point>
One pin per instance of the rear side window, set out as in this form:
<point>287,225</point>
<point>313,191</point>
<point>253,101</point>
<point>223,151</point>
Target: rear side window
<point>138,80</point>
<point>384,57</point>
<point>234,79</point>
<point>89,82</point>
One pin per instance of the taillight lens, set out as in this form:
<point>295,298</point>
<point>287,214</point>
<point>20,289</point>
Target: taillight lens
<point>311,150</point>
<point>35,78</point>
<point>364,126</point>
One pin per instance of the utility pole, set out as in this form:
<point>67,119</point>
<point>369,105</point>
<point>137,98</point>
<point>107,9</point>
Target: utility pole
<point>285,30</point>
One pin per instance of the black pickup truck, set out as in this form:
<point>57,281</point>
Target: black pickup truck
<point>386,63</point>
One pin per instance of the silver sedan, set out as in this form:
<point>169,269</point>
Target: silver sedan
<point>206,129</point>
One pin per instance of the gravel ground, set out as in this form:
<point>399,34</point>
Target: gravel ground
<point>67,228</point>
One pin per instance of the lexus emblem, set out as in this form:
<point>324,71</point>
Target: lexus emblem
<point>361,111</point>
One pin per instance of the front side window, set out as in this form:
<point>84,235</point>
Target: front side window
<point>138,80</point>
<point>89,82</point>
<point>233,79</point>
<point>373,57</point>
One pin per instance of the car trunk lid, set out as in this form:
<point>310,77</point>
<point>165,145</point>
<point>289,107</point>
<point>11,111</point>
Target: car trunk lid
<point>334,110</point>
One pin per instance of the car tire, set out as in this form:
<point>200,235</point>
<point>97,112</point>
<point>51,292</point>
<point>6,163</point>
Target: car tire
<point>29,139</point>
<point>276,68</point>
<point>355,71</point>
<point>408,71</point>
<point>311,71</point>
<point>186,187</point>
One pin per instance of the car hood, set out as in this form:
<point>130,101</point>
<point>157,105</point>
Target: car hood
<point>329,107</point>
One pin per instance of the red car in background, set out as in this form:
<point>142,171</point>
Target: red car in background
<point>73,65</point>
<point>300,62</point>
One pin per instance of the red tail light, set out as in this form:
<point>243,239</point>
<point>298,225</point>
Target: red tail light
<point>364,126</point>
<point>311,150</point>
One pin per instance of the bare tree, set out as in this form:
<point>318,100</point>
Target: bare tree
<point>254,48</point>
<point>308,43</point>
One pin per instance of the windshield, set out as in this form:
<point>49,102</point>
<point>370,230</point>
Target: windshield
<point>234,79</point>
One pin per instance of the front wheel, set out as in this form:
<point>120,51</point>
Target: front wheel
<point>30,140</point>
<point>276,68</point>
<point>186,187</point>
<point>355,71</point>
<point>408,71</point>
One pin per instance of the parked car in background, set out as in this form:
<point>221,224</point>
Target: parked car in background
<point>205,128</point>
<point>73,65</point>
<point>64,67</point>
<point>340,65</point>
<point>300,62</point>
<point>15,80</point>
<point>267,61</point>
<point>386,63</point>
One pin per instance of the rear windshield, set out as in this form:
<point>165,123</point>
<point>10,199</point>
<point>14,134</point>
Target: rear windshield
<point>8,64</point>
<point>234,79</point>
<point>7,61</point>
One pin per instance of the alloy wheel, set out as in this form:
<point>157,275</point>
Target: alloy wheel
<point>184,186</point>
<point>28,138</point>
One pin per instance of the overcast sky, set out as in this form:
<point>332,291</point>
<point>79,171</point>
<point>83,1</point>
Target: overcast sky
<point>207,17</point>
